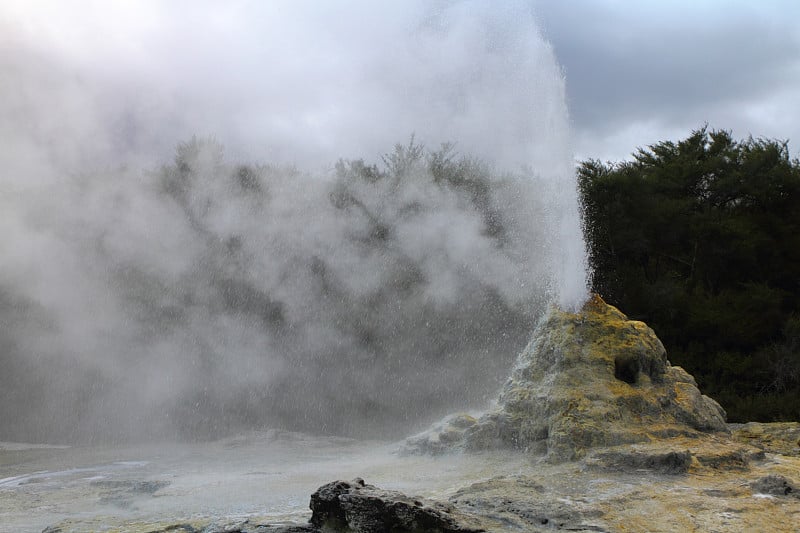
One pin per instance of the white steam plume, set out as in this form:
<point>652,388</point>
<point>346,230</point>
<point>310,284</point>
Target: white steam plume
<point>211,293</point>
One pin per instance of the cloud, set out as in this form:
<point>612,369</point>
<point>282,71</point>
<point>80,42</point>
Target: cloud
<point>662,69</point>
<point>303,81</point>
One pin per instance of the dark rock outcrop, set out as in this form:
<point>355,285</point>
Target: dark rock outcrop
<point>354,506</point>
<point>520,503</point>
<point>586,380</point>
<point>775,485</point>
<point>666,462</point>
<point>679,455</point>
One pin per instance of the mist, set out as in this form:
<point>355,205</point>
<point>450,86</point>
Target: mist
<point>336,218</point>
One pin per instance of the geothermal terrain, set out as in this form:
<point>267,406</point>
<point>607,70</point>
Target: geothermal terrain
<point>593,431</point>
<point>275,268</point>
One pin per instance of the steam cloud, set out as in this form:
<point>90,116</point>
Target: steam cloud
<point>200,293</point>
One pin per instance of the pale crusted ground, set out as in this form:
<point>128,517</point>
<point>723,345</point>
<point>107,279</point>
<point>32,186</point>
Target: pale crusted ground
<point>715,494</point>
<point>676,485</point>
<point>595,431</point>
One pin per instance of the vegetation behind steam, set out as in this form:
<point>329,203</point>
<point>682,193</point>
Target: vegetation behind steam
<point>700,238</point>
<point>210,296</point>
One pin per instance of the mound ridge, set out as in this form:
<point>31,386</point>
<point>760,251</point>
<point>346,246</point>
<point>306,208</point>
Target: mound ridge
<point>586,380</point>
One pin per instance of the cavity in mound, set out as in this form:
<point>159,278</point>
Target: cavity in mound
<point>588,379</point>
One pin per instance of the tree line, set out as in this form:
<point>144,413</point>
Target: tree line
<point>700,238</point>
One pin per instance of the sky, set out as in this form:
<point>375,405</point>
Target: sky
<point>158,72</point>
<point>645,71</point>
<point>636,72</point>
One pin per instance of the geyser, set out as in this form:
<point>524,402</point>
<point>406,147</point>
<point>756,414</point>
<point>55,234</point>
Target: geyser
<point>209,294</point>
<point>588,379</point>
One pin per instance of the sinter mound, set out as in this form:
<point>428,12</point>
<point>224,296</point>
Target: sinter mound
<point>588,379</point>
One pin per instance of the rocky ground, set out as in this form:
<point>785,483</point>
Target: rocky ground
<point>714,484</point>
<point>614,438</point>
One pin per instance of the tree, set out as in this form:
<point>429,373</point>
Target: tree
<point>701,239</point>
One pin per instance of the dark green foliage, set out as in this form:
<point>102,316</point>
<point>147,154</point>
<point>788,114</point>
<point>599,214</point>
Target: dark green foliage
<point>701,239</point>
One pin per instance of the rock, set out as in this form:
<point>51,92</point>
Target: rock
<point>442,437</point>
<point>776,437</point>
<point>775,485</point>
<point>678,455</point>
<point>520,503</point>
<point>586,380</point>
<point>236,526</point>
<point>131,486</point>
<point>356,507</point>
<point>297,528</point>
<point>668,462</point>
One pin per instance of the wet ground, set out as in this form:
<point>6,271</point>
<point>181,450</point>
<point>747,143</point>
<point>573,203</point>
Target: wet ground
<point>268,474</point>
<point>269,477</point>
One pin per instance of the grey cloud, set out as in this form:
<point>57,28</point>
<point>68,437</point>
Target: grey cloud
<point>673,66</point>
